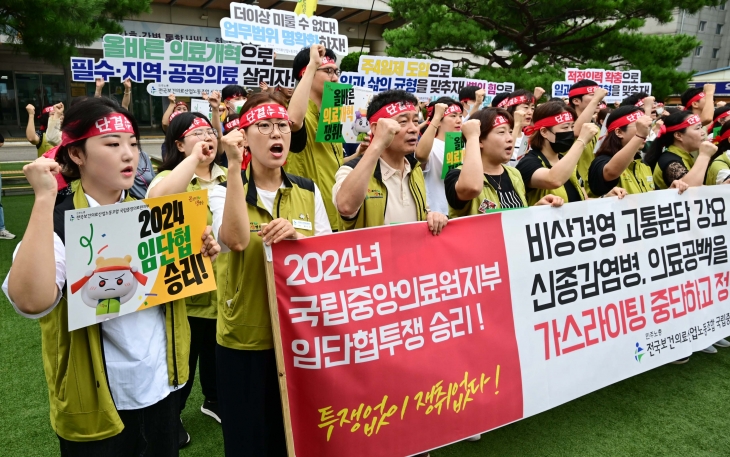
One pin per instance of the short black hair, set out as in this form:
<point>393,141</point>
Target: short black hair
<point>689,94</point>
<point>302,60</point>
<point>387,97</point>
<point>578,85</point>
<point>232,90</point>
<point>468,93</point>
<point>175,131</point>
<point>556,99</point>
<point>498,99</point>
<point>633,99</point>
<point>719,111</point>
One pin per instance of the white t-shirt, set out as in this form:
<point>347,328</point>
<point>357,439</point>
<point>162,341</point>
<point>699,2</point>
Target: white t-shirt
<point>435,192</point>
<point>135,345</point>
<point>519,151</point>
<point>217,202</point>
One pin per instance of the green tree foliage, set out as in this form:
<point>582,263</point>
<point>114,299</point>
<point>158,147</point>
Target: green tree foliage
<point>531,42</point>
<point>351,61</point>
<point>52,29</point>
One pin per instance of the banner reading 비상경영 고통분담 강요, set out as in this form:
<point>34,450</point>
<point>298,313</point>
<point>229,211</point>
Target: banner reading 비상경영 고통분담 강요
<point>392,341</point>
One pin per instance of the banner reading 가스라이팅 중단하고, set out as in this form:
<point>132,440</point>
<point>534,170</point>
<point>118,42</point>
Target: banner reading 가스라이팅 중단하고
<point>387,351</point>
<point>132,256</point>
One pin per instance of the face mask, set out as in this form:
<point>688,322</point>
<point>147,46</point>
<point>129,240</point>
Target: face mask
<point>237,105</point>
<point>563,141</point>
<point>659,111</point>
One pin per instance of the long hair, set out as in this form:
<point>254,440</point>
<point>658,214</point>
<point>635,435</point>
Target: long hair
<point>175,130</point>
<point>77,120</point>
<point>660,144</point>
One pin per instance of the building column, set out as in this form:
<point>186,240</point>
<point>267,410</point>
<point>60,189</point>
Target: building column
<point>377,47</point>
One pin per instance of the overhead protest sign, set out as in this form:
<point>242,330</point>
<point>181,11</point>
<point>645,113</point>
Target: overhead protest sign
<point>382,351</point>
<point>185,68</point>
<point>619,84</point>
<point>426,79</point>
<point>132,256</point>
<point>284,31</point>
<point>342,117</point>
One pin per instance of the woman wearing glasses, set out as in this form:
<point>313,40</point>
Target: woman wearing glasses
<point>292,208</point>
<point>190,165</point>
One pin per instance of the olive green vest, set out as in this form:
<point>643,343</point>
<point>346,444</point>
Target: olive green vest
<point>535,195</point>
<point>637,178</point>
<point>82,408</point>
<point>372,211</point>
<point>584,163</point>
<point>687,160</point>
<point>490,193</point>
<point>244,322</point>
<point>318,162</point>
<point>722,162</point>
<point>204,305</point>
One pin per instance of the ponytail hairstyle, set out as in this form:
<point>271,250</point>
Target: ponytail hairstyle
<point>175,131</point>
<point>667,139</point>
<point>612,143</point>
<point>77,120</point>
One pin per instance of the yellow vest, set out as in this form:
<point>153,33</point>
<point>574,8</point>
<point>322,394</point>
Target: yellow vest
<point>722,162</point>
<point>490,193</point>
<point>584,163</point>
<point>687,160</point>
<point>82,408</point>
<point>637,178</point>
<point>535,195</point>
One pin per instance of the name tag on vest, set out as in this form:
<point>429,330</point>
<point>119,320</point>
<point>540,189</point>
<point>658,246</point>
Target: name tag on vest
<point>304,225</point>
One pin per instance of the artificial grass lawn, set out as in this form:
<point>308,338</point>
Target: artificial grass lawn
<point>670,411</point>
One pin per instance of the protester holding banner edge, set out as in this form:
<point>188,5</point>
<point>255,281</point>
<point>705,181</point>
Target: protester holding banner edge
<point>110,401</point>
<point>291,207</point>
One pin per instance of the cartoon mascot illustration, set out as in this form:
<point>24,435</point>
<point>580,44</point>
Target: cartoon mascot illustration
<point>361,126</point>
<point>113,282</point>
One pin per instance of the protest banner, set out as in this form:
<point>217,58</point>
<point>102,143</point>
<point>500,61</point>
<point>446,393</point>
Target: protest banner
<point>343,115</point>
<point>185,68</point>
<point>426,79</point>
<point>619,84</point>
<point>382,351</point>
<point>201,106</point>
<point>284,31</point>
<point>453,152</point>
<point>132,256</point>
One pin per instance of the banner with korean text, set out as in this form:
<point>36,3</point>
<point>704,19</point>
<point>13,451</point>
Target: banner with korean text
<point>392,341</point>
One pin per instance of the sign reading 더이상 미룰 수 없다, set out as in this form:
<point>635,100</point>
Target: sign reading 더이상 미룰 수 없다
<point>132,256</point>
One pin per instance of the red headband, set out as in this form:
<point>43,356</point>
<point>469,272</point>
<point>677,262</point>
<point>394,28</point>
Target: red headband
<point>325,61</point>
<point>514,101</point>
<point>499,121</point>
<point>261,112</point>
<point>714,121</point>
<point>690,121</point>
<point>113,123</point>
<point>80,283</point>
<point>582,91</point>
<point>47,109</point>
<point>602,106</point>
<point>624,121</point>
<point>548,122</point>
<point>721,138</point>
<point>696,98</point>
<point>232,125</point>
<point>450,110</point>
<point>197,123</point>
<point>237,94</point>
<point>181,103</point>
<point>390,110</point>
<point>174,113</point>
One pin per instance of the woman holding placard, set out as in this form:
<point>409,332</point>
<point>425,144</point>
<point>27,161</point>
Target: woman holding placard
<point>110,385</point>
<point>483,183</point>
<point>259,206</point>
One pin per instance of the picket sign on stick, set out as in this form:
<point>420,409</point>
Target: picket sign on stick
<point>280,365</point>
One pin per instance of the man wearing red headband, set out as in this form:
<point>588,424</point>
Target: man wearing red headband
<point>386,184</point>
<point>700,102</point>
<point>319,162</point>
<point>585,96</point>
<point>48,134</point>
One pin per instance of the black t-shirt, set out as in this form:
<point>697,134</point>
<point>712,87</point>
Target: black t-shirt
<point>598,184</point>
<point>530,163</point>
<point>298,139</point>
<point>508,197</point>
<point>672,167</point>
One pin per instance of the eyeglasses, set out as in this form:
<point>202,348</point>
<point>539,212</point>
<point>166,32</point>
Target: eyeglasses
<point>266,127</point>
<point>330,71</point>
<point>213,133</point>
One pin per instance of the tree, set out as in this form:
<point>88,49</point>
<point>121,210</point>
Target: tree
<point>531,42</point>
<point>52,29</point>
<point>351,61</point>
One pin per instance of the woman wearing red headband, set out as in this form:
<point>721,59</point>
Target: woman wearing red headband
<point>719,169</point>
<point>521,105</point>
<point>259,206</point>
<point>618,160</point>
<point>110,385</point>
<point>719,118</point>
<point>550,167</point>
<point>444,115</point>
<point>190,165</point>
<point>173,107</point>
<point>484,183</point>
<point>681,152</point>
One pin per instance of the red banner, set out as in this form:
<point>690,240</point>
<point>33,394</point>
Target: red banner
<point>395,341</point>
